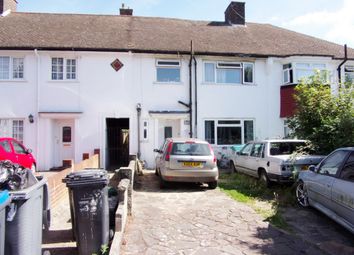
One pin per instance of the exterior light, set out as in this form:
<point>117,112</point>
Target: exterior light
<point>30,118</point>
<point>138,107</point>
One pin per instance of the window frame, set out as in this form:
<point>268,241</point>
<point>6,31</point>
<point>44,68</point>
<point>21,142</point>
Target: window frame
<point>10,129</point>
<point>293,69</point>
<point>11,70</point>
<point>169,66</point>
<point>348,73</point>
<point>241,125</point>
<point>228,65</point>
<point>65,69</point>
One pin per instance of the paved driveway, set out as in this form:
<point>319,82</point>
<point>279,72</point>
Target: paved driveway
<point>188,219</point>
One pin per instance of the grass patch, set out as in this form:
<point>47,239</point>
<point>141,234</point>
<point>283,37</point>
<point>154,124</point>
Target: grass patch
<point>265,201</point>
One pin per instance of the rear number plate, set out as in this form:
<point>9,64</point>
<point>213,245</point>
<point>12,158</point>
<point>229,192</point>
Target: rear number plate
<point>192,164</point>
<point>304,168</point>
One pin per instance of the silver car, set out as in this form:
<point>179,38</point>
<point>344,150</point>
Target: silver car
<point>329,187</point>
<point>186,160</point>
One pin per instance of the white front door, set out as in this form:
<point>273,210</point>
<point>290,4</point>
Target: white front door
<point>63,141</point>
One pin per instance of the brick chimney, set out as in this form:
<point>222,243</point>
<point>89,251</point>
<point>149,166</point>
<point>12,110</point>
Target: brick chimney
<point>235,13</point>
<point>8,5</point>
<point>124,11</point>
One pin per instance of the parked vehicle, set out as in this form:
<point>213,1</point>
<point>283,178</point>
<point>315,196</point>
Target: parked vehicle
<point>273,160</point>
<point>186,160</point>
<point>329,187</point>
<point>17,153</point>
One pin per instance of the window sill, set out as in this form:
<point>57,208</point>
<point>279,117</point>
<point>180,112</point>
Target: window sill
<point>63,81</point>
<point>228,84</point>
<point>167,83</point>
<point>14,81</point>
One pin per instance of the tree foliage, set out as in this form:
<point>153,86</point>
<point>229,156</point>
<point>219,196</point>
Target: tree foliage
<point>324,117</point>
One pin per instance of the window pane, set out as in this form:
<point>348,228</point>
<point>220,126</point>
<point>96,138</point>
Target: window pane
<point>4,68</point>
<point>17,130</point>
<point>57,68</point>
<point>209,72</point>
<point>17,69</point>
<point>228,75</point>
<point>66,134</point>
<point>5,128</point>
<point>190,149</point>
<point>210,131</point>
<point>331,165</point>
<point>18,148</point>
<point>248,72</point>
<point>248,131</point>
<point>168,74</point>
<point>5,146</point>
<point>229,122</point>
<point>168,132</point>
<point>302,74</point>
<point>228,135</point>
<point>303,66</point>
<point>319,66</point>
<point>257,150</point>
<point>168,63</point>
<point>348,169</point>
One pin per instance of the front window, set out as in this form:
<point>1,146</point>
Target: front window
<point>227,132</point>
<point>349,73</point>
<point>11,68</point>
<point>229,72</point>
<point>168,71</point>
<point>12,128</point>
<point>64,69</point>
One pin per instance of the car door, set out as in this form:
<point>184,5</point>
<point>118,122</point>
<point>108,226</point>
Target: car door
<point>320,185</point>
<point>254,161</point>
<point>243,158</point>
<point>6,152</point>
<point>159,156</point>
<point>343,191</point>
<point>23,158</point>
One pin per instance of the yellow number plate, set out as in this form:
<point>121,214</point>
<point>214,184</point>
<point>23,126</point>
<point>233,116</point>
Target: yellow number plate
<point>304,168</point>
<point>192,164</point>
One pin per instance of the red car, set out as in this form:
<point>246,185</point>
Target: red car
<point>13,150</point>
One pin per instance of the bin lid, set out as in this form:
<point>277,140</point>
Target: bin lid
<point>84,177</point>
<point>4,196</point>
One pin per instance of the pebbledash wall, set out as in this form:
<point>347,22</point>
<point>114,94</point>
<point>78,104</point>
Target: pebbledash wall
<point>99,92</point>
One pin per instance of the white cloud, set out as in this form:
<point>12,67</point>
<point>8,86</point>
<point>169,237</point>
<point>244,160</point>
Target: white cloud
<point>336,26</point>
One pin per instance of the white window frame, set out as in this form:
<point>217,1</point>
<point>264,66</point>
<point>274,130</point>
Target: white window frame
<point>242,125</point>
<point>65,71</point>
<point>229,65</point>
<point>8,128</point>
<point>312,67</point>
<point>288,70</point>
<point>167,66</point>
<point>350,72</point>
<point>12,69</point>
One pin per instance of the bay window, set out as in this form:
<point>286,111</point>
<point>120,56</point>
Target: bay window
<point>227,132</point>
<point>294,72</point>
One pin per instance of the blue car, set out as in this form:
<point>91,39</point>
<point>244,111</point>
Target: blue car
<point>329,187</point>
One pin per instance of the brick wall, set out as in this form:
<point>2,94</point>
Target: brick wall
<point>57,188</point>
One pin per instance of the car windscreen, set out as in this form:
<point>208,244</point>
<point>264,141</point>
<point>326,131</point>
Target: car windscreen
<point>285,148</point>
<point>196,149</point>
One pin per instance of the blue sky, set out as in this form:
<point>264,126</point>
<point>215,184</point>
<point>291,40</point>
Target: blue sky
<point>327,19</point>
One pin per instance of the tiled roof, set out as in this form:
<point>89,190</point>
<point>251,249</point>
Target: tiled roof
<point>146,34</point>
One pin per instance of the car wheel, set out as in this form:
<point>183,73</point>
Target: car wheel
<point>263,178</point>
<point>301,194</point>
<point>233,167</point>
<point>33,168</point>
<point>212,185</point>
<point>163,183</point>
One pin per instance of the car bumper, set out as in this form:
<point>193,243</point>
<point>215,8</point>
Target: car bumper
<point>281,178</point>
<point>193,175</point>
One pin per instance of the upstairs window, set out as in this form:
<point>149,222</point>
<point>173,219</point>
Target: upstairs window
<point>168,71</point>
<point>229,72</point>
<point>349,73</point>
<point>293,73</point>
<point>64,69</point>
<point>11,68</point>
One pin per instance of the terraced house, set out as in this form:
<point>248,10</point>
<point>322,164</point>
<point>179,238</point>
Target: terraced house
<point>73,83</point>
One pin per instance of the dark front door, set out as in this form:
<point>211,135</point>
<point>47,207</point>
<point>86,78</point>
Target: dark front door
<point>117,144</point>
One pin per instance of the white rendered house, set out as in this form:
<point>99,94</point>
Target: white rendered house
<point>120,84</point>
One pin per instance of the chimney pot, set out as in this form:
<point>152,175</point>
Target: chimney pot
<point>235,13</point>
<point>124,10</point>
<point>8,5</point>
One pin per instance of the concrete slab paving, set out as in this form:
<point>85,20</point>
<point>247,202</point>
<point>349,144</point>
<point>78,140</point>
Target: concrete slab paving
<point>189,219</point>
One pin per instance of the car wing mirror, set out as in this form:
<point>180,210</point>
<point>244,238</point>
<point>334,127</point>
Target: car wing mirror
<point>157,150</point>
<point>312,168</point>
<point>238,153</point>
<point>28,151</point>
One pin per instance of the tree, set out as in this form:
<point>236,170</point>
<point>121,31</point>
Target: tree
<point>324,117</point>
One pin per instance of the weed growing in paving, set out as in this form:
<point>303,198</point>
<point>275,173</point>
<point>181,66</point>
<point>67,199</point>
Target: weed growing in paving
<point>267,202</point>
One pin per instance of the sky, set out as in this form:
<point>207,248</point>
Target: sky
<point>332,20</point>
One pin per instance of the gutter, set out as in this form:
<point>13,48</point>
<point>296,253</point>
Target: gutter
<point>190,93</point>
<point>195,98</point>
<point>342,63</point>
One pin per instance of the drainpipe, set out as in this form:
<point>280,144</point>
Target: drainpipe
<point>38,103</point>
<point>138,111</point>
<point>195,98</point>
<point>342,63</point>
<point>190,93</point>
